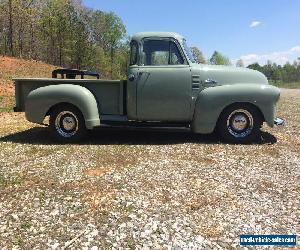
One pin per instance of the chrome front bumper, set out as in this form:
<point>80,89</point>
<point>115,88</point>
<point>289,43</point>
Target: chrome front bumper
<point>279,122</point>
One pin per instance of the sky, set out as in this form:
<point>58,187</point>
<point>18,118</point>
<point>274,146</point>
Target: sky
<point>252,30</point>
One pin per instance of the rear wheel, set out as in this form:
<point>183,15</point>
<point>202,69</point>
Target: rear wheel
<point>240,123</point>
<point>67,124</point>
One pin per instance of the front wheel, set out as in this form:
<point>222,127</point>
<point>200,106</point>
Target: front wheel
<point>240,124</point>
<point>67,124</point>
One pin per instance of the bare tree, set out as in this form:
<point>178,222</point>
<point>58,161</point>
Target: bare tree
<point>11,41</point>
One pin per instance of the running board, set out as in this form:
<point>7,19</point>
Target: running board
<point>144,124</point>
<point>113,118</point>
<point>145,128</point>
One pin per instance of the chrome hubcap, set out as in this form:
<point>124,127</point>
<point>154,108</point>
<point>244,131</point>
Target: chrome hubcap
<point>240,123</point>
<point>66,124</point>
<point>69,123</point>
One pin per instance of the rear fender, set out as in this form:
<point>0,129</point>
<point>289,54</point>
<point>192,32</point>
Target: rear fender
<point>41,100</point>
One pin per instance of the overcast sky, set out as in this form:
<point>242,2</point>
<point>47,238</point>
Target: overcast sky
<point>252,30</point>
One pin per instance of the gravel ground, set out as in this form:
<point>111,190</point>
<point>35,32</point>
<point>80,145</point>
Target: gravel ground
<point>147,190</point>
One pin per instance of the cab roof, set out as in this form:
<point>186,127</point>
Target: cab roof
<point>141,35</point>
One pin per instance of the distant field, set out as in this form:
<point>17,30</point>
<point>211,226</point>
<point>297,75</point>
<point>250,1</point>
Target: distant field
<point>287,85</point>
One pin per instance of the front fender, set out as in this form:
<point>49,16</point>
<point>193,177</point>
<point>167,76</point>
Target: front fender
<point>40,100</point>
<point>212,101</point>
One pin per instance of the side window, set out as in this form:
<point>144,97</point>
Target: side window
<point>160,58</point>
<point>134,50</point>
<point>156,52</point>
<point>161,52</point>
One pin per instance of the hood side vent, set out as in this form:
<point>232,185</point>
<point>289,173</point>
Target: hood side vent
<point>195,81</point>
<point>196,78</point>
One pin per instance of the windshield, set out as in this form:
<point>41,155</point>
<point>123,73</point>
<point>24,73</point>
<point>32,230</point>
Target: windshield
<point>188,52</point>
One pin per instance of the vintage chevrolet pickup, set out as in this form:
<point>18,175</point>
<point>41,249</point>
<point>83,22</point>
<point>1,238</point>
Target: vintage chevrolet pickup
<point>165,87</point>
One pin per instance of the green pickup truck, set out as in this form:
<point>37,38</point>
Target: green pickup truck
<point>165,87</point>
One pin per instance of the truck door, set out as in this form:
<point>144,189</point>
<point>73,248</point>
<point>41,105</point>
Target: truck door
<point>163,82</point>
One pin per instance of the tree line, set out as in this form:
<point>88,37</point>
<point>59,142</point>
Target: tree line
<point>64,33</point>
<point>277,73</point>
<point>286,73</point>
<point>217,58</point>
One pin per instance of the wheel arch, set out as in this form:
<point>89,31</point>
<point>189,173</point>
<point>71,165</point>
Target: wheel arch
<point>57,105</point>
<point>211,102</point>
<point>40,102</point>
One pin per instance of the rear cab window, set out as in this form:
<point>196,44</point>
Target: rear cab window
<point>134,50</point>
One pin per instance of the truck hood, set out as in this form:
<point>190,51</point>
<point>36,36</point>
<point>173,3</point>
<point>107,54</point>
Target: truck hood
<point>228,74</point>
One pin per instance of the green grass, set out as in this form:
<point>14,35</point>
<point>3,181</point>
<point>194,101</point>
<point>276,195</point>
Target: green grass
<point>287,85</point>
<point>131,243</point>
<point>12,179</point>
<point>6,109</point>
<point>19,241</point>
<point>6,103</point>
<point>26,225</point>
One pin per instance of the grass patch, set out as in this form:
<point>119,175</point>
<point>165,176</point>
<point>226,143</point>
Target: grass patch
<point>6,103</point>
<point>19,241</point>
<point>287,85</point>
<point>131,243</point>
<point>11,179</point>
<point>6,109</point>
<point>26,225</point>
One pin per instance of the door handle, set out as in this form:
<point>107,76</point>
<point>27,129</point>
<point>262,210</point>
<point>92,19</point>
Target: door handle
<point>210,81</point>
